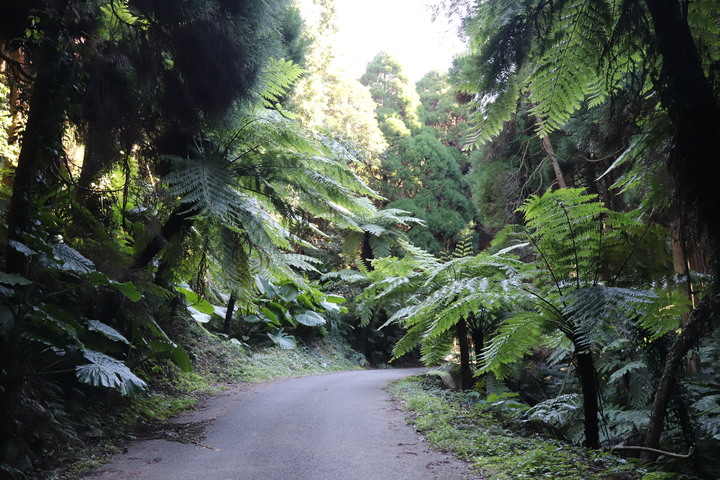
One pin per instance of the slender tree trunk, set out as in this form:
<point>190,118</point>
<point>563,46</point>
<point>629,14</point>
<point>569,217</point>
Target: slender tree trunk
<point>699,319</point>
<point>179,220</point>
<point>466,376</point>
<point>554,161</point>
<point>100,154</point>
<point>366,253</point>
<point>12,383</point>
<point>229,314</point>
<point>591,407</point>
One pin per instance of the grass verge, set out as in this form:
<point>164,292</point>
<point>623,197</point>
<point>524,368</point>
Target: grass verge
<point>454,422</point>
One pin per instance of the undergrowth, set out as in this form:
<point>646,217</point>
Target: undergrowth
<point>499,449</point>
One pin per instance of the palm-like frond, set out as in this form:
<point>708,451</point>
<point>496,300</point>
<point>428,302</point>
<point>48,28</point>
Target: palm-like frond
<point>566,73</point>
<point>277,79</point>
<point>590,311</point>
<point>517,335</point>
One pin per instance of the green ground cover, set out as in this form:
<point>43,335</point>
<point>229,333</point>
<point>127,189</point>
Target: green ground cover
<point>498,447</point>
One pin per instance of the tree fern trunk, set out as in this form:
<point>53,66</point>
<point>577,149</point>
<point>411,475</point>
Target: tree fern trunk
<point>12,383</point>
<point>466,376</point>
<point>588,384</point>
<point>229,315</point>
<point>478,339</point>
<point>366,253</point>
<point>180,219</point>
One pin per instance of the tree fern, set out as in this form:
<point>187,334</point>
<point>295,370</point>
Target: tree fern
<point>559,55</point>
<point>440,295</point>
<point>577,243</point>
<point>258,174</point>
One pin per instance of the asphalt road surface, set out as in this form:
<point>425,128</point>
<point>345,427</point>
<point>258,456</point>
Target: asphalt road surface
<point>339,426</point>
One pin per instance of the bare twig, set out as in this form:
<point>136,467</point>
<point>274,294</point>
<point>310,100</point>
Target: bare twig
<point>654,450</point>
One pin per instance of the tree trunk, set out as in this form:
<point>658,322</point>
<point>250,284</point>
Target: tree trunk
<point>694,112</point>
<point>179,220</point>
<point>42,139</point>
<point>366,253</point>
<point>12,383</point>
<point>466,376</point>
<point>100,153</point>
<point>554,161</point>
<point>229,314</point>
<point>696,324</point>
<point>591,408</point>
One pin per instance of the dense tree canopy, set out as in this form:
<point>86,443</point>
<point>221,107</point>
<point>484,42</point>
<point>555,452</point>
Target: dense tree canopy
<point>396,99</point>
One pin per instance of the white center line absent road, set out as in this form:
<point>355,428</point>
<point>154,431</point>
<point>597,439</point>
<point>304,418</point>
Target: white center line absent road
<point>339,426</point>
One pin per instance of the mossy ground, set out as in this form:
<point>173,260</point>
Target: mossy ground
<point>454,422</point>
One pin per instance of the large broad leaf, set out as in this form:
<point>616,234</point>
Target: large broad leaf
<point>309,318</point>
<point>68,259</point>
<point>174,352</point>
<point>197,302</point>
<point>128,289</point>
<point>334,299</point>
<point>288,292</point>
<point>13,279</point>
<point>105,371</point>
<point>305,301</point>
<point>199,316</point>
<point>270,315</point>
<point>107,330</point>
<point>22,248</point>
<point>286,342</point>
<point>54,327</point>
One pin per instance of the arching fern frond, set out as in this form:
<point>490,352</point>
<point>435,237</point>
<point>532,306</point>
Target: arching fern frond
<point>277,79</point>
<point>566,73</point>
<point>516,336</point>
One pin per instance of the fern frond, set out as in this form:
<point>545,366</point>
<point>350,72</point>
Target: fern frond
<point>277,79</point>
<point>566,74</point>
<point>423,258</point>
<point>590,310</point>
<point>488,120</point>
<point>515,337</point>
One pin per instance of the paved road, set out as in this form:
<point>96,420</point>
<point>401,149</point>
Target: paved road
<point>338,426</point>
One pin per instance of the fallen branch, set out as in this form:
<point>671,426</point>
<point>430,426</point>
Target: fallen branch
<point>654,450</point>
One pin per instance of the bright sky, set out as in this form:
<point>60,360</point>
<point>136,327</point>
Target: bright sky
<point>403,28</point>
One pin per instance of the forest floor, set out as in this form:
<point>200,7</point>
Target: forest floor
<point>488,435</point>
